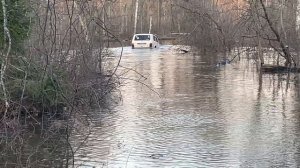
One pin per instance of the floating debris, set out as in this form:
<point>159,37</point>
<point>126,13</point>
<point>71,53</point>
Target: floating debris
<point>184,51</point>
<point>156,156</point>
<point>223,62</point>
<point>277,68</point>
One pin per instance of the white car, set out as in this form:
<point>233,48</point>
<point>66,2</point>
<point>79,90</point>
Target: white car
<point>144,41</point>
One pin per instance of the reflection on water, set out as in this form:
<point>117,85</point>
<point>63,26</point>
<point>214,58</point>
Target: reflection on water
<point>198,116</point>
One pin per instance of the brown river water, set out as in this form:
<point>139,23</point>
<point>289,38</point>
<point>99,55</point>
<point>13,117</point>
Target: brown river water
<point>180,110</point>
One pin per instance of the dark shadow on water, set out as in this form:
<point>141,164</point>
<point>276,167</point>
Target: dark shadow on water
<point>36,146</point>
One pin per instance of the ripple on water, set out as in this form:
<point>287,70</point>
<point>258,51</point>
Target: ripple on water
<point>204,117</point>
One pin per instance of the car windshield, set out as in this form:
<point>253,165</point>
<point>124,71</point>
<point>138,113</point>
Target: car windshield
<point>142,37</point>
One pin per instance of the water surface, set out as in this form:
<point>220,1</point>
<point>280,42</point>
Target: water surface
<point>180,110</point>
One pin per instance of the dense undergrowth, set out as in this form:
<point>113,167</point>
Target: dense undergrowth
<point>49,83</point>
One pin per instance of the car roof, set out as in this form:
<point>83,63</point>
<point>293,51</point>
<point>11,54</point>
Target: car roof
<point>143,34</point>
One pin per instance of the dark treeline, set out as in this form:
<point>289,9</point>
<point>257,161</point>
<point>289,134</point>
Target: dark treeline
<point>216,25</point>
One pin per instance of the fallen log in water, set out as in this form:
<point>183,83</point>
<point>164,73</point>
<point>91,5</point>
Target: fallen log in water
<point>278,68</point>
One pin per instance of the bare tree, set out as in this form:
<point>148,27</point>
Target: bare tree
<point>59,76</point>
<point>5,57</point>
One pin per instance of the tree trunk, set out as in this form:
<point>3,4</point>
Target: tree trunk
<point>285,49</point>
<point>159,14</point>
<point>150,26</point>
<point>260,54</point>
<point>5,55</point>
<point>135,16</point>
<point>298,17</point>
<point>83,23</point>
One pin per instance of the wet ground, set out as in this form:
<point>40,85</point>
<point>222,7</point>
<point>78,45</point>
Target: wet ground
<point>180,110</point>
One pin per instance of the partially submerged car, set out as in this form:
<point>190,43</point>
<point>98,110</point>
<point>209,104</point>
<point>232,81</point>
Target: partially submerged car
<point>144,41</point>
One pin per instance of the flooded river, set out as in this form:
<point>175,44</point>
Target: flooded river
<point>180,110</point>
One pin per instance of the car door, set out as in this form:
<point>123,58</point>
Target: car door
<point>156,41</point>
